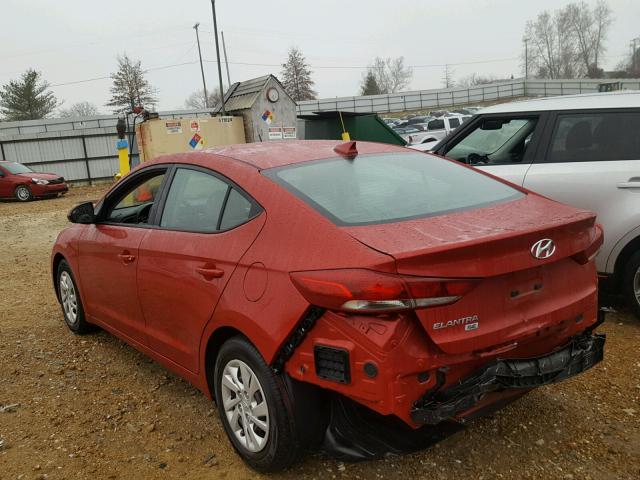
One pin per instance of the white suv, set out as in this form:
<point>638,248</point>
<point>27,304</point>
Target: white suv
<point>583,150</point>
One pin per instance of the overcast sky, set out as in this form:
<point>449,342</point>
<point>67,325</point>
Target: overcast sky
<point>74,40</point>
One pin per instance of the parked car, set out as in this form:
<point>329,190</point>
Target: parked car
<point>583,150</point>
<point>281,278</point>
<point>20,182</point>
<point>438,128</point>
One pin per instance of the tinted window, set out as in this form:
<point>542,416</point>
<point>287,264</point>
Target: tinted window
<point>17,168</point>
<point>454,122</point>
<point>435,125</point>
<point>495,141</point>
<point>593,137</point>
<point>194,201</point>
<point>389,187</point>
<point>237,210</point>
<point>133,205</point>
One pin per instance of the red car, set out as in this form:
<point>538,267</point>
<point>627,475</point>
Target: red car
<point>20,182</point>
<point>354,295</point>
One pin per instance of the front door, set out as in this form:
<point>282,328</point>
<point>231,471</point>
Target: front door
<point>206,226</point>
<point>501,145</point>
<point>109,256</point>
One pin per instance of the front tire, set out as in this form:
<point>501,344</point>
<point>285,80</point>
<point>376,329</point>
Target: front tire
<point>70,300</point>
<point>631,283</point>
<point>23,193</point>
<point>255,408</point>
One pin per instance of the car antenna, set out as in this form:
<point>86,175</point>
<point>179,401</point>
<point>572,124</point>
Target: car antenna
<point>347,150</point>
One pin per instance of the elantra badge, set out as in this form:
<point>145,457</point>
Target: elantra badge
<point>543,249</point>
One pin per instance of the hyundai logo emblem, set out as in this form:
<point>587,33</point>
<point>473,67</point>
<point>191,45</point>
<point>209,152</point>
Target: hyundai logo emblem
<point>543,248</point>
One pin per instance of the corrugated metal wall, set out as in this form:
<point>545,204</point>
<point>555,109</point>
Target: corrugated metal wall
<point>82,149</point>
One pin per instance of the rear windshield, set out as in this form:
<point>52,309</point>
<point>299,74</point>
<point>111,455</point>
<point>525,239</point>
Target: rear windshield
<point>389,187</point>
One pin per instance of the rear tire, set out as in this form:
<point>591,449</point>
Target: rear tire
<point>69,297</point>
<point>255,408</point>
<point>23,193</point>
<point>631,284</point>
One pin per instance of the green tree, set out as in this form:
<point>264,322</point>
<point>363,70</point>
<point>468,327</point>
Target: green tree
<point>296,77</point>
<point>28,98</point>
<point>369,85</point>
<point>130,87</point>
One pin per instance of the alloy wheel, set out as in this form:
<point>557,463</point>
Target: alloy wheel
<point>23,193</point>
<point>245,405</point>
<point>636,285</point>
<point>68,298</point>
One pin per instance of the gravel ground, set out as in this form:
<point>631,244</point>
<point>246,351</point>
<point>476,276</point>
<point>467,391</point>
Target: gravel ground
<point>93,407</point>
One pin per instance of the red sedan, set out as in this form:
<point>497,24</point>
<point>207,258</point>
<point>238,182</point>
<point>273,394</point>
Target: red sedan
<point>350,295</point>
<point>20,182</point>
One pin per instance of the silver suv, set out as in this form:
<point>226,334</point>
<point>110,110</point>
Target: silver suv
<point>583,150</point>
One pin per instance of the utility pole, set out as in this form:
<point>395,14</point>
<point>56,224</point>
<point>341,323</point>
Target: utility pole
<point>204,83</point>
<point>526,58</point>
<point>633,54</point>
<point>226,63</point>
<point>215,32</point>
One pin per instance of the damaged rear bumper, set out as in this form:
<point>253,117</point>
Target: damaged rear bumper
<point>582,353</point>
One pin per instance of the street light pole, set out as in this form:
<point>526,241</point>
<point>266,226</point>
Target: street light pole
<point>204,83</point>
<point>215,32</point>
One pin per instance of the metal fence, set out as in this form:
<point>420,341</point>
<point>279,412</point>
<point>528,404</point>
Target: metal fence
<point>449,97</point>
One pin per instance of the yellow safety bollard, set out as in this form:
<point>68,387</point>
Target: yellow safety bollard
<point>123,156</point>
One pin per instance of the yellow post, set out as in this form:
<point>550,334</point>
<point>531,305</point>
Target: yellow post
<point>123,156</point>
<point>345,135</point>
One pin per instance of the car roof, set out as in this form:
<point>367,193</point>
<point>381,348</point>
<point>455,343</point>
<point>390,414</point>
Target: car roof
<point>264,155</point>
<point>585,101</point>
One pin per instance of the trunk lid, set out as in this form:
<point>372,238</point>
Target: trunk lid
<point>518,293</point>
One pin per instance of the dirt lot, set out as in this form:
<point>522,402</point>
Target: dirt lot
<point>93,407</point>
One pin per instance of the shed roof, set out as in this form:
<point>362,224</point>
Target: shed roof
<point>242,95</point>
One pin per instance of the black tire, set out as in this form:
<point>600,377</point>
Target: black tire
<point>23,193</point>
<point>282,448</point>
<point>629,285</point>
<point>76,322</point>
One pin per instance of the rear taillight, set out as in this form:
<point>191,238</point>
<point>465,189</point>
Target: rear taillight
<point>366,291</point>
<point>592,250</point>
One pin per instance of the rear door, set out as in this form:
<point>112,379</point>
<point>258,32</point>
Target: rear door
<point>205,226</point>
<point>501,144</point>
<point>6,186</point>
<point>591,159</point>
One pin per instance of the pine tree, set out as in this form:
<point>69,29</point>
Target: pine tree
<point>296,77</point>
<point>27,98</point>
<point>130,87</point>
<point>369,85</point>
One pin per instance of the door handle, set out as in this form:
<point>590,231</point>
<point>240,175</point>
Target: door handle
<point>632,183</point>
<point>126,257</point>
<point>209,273</point>
<point>629,185</point>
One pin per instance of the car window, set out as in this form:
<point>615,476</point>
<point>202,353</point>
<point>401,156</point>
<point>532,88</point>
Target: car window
<point>16,168</point>
<point>389,187</point>
<point>237,210</point>
<point>133,206</point>
<point>592,137</point>
<point>435,124</point>
<point>495,141</point>
<point>194,201</point>
<point>454,123</point>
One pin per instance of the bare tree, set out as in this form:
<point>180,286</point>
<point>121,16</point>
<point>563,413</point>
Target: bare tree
<point>569,42</point>
<point>447,77</point>
<point>589,29</point>
<point>80,109</point>
<point>296,77</point>
<point>391,75</point>
<point>196,99</point>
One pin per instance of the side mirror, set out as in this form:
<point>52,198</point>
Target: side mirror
<point>82,213</point>
<point>491,124</point>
